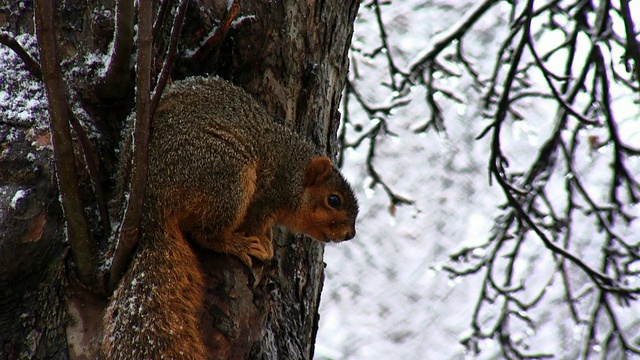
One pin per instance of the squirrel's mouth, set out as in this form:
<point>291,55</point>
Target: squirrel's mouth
<point>336,237</point>
<point>327,239</point>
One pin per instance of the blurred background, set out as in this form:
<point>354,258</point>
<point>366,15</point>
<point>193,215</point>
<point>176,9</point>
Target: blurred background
<point>494,146</point>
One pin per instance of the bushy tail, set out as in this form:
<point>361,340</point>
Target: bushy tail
<point>154,311</point>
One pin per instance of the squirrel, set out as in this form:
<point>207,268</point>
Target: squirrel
<point>221,173</point>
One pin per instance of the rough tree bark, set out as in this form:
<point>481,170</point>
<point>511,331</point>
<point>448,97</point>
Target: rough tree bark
<point>290,54</point>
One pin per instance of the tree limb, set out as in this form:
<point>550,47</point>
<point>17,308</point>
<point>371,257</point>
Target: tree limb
<point>129,233</point>
<point>92,168</point>
<point>172,54</point>
<point>209,43</point>
<point>32,65</point>
<point>163,13</point>
<point>115,79</point>
<point>82,245</point>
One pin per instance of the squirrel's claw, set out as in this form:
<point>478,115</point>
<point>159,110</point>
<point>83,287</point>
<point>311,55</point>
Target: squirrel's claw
<point>243,247</point>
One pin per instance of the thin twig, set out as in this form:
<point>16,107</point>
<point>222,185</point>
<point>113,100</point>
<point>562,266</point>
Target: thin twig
<point>441,41</point>
<point>547,76</point>
<point>163,14</point>
<point>376,178</point>
<point>92,168</point>
<point>172,54</point>
<point>385,48</point>
<point>632,45</point>
<point>218,35</point>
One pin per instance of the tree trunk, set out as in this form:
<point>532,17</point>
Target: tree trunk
<point>292,55</point>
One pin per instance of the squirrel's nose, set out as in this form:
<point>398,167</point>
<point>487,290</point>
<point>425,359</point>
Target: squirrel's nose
<point>350,234</point>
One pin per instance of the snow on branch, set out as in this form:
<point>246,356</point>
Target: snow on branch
<point>443,40</point>
<point>32,65</point>
<point>215,37</point>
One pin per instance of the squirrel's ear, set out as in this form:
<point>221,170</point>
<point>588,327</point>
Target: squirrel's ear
<point>318,171</point>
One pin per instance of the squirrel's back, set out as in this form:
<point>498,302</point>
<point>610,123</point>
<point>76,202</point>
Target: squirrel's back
<point>212,128</point>
<point>217,107</point>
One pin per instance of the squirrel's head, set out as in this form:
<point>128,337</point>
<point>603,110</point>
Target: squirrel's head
<point>329,208</point>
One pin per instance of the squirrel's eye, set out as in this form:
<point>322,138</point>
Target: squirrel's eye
<point>334,201</point>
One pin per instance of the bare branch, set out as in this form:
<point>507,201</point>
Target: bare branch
<point>547,76</point>
<point>497,159</point>
<point>436,120</point>
<point>163,14</point>
<point>92,168</point>
<point>172,54</point>
<point>395,199</point>
<point>378,113</point>
<point>217,36</point>
<point>632,45</point>
<point>443,40</point>
<point>116,76</point>
<point>129,232</point>
<point>32,65</point>
<point>82,245</point>
<point>393,69</point>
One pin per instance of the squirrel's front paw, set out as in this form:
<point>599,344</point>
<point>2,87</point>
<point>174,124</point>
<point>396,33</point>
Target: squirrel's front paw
<point>246,246</point>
